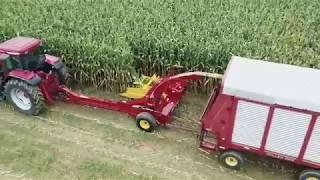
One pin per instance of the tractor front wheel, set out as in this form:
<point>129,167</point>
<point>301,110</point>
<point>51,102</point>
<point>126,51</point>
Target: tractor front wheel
<point>24,97</point>
<point>146,122</point>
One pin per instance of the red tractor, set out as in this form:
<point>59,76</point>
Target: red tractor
<point>29,79</point>
<point>25,70</point>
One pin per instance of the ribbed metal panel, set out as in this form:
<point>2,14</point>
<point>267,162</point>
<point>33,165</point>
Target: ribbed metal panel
<point>313,149</point>
<point>287,132</point>
<point>250,123</point>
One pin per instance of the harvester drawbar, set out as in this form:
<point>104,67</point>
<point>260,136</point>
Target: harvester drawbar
<point>154,108</point>
<point>28,78</point>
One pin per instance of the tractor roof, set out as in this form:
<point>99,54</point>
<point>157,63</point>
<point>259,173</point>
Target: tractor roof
<point>273,83</point>
<point>19,45</point>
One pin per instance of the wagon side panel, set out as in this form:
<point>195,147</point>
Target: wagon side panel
<point>249,126</point>
<point>312,152</point>
<point>287,132</point>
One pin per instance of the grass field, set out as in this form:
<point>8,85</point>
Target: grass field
<point>102,40</point>
<point>72,142</point>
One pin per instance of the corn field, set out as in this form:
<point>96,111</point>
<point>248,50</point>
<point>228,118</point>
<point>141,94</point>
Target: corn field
<point>104,41</point>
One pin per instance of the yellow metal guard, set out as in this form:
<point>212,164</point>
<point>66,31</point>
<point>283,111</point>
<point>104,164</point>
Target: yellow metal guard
<point>140,87</point>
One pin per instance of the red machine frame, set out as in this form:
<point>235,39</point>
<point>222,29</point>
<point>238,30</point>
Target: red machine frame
<point>218,124</point>
<point>159,101</point>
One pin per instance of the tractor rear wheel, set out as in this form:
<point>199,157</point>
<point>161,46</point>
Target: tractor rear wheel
<point>146,122</point>
<point>24,97</point>
<point>232,159</point>
<point>309,174</point>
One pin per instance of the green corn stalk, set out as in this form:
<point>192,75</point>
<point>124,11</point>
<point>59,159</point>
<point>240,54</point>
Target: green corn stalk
<point>103,41</point>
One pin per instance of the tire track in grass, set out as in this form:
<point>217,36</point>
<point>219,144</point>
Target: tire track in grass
<point>82,148</point>
<point>9,174</point>
<point>164,156</point>
<point>165,134</point>
<point>94,146</point>
<point>100,148</point>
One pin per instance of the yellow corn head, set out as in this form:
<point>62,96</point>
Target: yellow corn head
<point>140,87</point>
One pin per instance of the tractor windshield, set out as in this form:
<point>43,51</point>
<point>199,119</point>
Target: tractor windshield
<point>33,60</point>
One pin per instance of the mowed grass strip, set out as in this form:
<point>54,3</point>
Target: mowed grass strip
<point>34,149</point>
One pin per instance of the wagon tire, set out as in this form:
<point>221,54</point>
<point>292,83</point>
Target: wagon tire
<point>146,122</point>
<point>309,174</point>
<point>232,159</point>
<point>23,97</point>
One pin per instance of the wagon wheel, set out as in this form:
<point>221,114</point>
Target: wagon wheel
<point>309,174</point>
<point>232,159</point>
<point>146,122</point>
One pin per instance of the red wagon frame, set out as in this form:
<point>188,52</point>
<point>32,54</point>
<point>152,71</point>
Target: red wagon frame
<point>225,143</point>
<point>218,126</point>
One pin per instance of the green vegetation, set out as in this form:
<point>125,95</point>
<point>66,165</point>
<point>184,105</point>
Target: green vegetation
<point>102,40</point>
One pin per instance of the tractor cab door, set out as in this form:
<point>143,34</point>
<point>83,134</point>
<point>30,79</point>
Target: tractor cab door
<point>3,65</point>
<point>33,60</point>
<point>8,63</point>
<point>13,62</point>
<point>3,69</point>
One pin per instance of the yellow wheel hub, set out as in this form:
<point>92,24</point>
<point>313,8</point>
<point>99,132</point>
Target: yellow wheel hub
<point>144,124</point>
<point>231,161</point>
<point>312,178</point>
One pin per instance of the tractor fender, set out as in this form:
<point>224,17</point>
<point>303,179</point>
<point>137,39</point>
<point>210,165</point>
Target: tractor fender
<point>54,61</point>
<point>58,65</point>
<point>27,76</point>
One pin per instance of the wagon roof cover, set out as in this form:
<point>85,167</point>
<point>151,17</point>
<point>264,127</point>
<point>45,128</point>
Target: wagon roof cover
<point>19,45</point>
<point>273,83</point>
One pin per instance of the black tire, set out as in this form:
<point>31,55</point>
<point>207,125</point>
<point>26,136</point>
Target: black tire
<point>232,159</point>
<point>33,93</point>
<point>309,174</point>
<point>146,122</point>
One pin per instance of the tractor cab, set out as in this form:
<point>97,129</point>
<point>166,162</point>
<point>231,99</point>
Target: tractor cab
<point>25,53</point>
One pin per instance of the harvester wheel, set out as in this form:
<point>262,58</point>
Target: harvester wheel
<point>146,122</point>
<point>232,159</point>
<point>309,174</point>
<point>24,97</point>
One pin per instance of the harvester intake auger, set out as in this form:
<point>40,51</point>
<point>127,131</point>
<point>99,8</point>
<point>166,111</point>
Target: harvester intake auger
<point>29,79</point>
